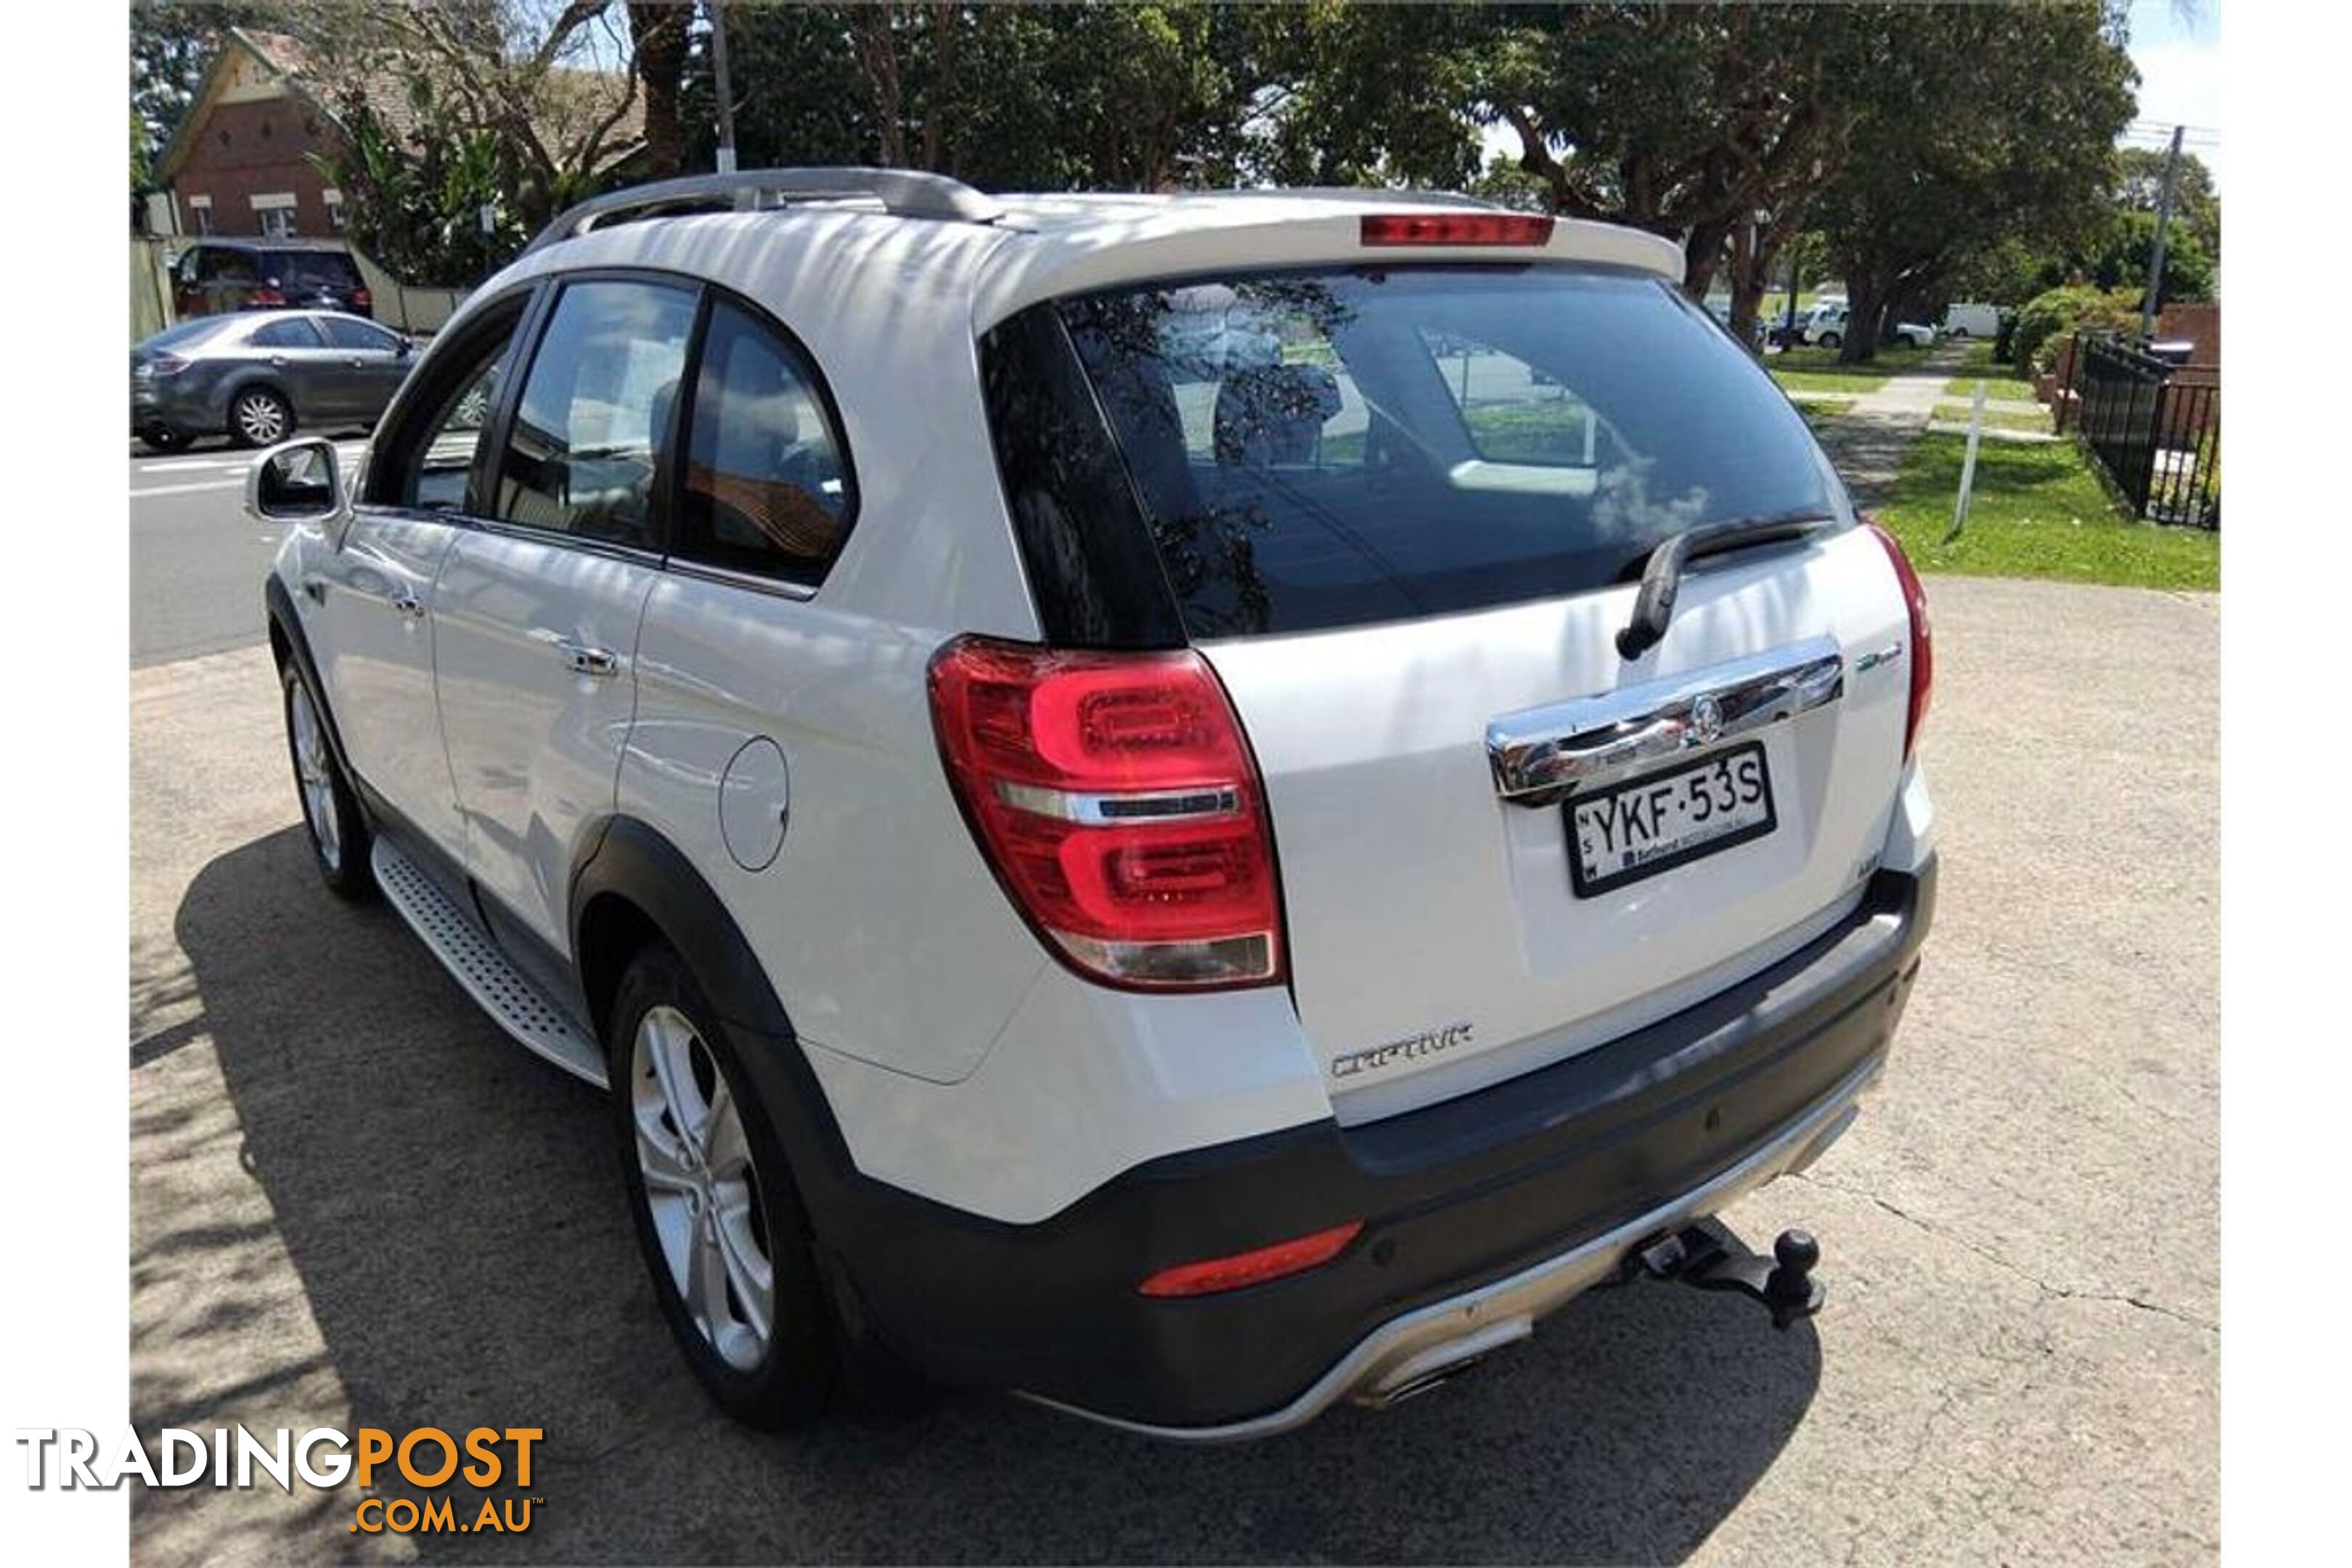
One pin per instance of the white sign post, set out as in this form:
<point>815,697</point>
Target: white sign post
<point>1968,467</point>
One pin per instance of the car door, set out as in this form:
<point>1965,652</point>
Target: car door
<point>298,362</point>
<point>371,361</point>
<point>537,612</point>
<point>370,598</point>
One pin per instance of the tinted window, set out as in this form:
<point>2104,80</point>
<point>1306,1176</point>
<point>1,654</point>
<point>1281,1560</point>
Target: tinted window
<point>285,332</point>
<point>183,333</point>
<point>313,269</point>
<point>1336,447</point>
<point>231,266</point>
<point>765,488</point>
<point>344,333</point>
<point>583,452</point>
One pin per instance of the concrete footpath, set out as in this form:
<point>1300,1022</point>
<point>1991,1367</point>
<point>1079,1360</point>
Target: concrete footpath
<point>1868,440</point>
<point>356,1203</point>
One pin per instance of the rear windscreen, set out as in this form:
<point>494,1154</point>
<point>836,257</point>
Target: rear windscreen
<point>1330,448</point>
<point>313,269</point>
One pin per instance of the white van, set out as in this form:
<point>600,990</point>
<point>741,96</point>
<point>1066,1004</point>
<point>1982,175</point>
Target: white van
<point>1971,322</point>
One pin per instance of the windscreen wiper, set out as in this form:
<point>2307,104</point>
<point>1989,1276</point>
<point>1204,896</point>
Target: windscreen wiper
<point>1662,577</point>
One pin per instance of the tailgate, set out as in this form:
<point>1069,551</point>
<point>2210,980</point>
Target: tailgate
<point>1439,938</point>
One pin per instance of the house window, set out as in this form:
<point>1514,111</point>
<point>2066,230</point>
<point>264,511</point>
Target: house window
<point>202,207</point>
<point>274,214</point>
<point>337,218</point>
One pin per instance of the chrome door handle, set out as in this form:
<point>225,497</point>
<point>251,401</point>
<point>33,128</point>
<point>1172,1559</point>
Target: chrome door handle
<point>586,660</point>
<point>408,604</point>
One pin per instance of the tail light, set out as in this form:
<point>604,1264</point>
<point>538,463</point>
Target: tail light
<point>1454,228</point>
<point>1215,1274</point>
<point>1923,642</point>
<point>361,300</point>
<point>1117,801</point>
<point>267,294</point>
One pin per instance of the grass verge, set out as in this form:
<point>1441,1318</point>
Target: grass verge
<point>2040,511</point>
<point>1861,379</point>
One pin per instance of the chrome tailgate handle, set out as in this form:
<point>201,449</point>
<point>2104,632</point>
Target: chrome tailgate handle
<point>1540,755</point>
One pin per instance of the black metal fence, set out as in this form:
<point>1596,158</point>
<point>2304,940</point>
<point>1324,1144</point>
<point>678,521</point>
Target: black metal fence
<point>2153,425</point>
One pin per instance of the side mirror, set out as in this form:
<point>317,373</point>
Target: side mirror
<point>296,481</point>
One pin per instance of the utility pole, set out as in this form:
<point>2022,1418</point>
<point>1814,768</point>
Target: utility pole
<point>2156,258</point>
<point>726,92</point>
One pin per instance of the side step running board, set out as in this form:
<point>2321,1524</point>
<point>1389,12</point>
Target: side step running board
<point>503,992</point>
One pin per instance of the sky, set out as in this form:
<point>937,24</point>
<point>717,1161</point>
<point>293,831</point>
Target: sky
<point>2180,61</point>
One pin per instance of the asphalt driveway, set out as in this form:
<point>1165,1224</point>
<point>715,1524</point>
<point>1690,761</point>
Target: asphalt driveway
<point>355,1204</point>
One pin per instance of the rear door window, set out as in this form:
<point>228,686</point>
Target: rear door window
<point>312,270</point>
<point>1354,445</point>
<point>343,332</point>
<point>586,446</point>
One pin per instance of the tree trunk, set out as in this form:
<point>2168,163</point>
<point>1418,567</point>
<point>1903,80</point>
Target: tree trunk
<point>1751,279</point>
<point>1702,256</point>
<point>1865,315</point>
<point>657,32</point>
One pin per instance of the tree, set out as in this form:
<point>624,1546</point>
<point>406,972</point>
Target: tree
<point>2196,204</point>
<point>1136,97</point>
<point>1995,122</point>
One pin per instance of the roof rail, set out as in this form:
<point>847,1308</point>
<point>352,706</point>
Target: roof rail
<point>906,193</point>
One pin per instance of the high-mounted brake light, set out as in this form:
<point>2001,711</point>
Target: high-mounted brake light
<point>1215,1274</point>
<point>1115,798</point>
<point>1923,642</point>
<point>1455,228</point>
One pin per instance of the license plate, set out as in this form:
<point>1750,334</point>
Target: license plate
<point>1662,820</point>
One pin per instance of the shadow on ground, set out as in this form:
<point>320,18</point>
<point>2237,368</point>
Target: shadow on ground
<point>453,1209</point>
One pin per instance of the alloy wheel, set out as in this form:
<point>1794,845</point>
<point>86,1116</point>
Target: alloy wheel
<point>315,769</point>
<point>700,1187</point>
<point>261,418</point>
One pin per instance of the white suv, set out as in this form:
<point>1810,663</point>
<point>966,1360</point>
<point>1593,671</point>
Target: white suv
<point>1190,806</point>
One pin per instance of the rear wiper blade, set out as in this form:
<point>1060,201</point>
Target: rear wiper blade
<point>1662,576</point>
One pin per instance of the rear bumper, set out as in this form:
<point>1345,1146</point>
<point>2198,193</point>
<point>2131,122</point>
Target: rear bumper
<point>1480,1213</point>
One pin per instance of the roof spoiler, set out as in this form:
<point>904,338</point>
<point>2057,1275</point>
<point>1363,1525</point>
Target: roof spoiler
<point>905,192</point>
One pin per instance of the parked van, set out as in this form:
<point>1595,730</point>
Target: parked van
<point>1971,322</point>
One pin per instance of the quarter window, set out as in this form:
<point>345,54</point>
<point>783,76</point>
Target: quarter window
<point>765,488</point>
<point>583,455</point>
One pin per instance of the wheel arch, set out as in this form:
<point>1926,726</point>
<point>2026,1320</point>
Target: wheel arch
<point>289,644</point>
<point>632,884</point>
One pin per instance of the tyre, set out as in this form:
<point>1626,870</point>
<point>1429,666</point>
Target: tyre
<point>718,1219</point>
<point>330,810</point>
<point>1830,340</point>
<point>1959,331</point>
<point>162,440</point>
<point>259,416</point>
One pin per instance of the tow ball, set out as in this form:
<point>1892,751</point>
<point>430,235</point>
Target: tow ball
<point>1706,1255</point>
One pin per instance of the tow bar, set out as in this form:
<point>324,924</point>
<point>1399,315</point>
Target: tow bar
<point>1706,1255</point>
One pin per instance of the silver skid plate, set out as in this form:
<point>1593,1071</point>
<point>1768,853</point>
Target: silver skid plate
<point>458,940</point>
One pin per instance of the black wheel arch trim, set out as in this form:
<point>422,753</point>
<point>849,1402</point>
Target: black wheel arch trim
<point>277,600</point>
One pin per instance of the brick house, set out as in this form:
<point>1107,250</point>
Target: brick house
<point>241,162</point>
